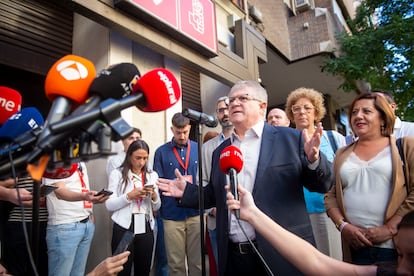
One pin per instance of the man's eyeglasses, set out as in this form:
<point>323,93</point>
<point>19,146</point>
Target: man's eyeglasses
<point>243,99</point>
<point>222,110</point>
<point>296,109</point>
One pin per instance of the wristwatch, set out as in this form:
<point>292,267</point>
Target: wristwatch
<point>339,223</point>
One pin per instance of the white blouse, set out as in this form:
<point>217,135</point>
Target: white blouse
<point>367,187</point>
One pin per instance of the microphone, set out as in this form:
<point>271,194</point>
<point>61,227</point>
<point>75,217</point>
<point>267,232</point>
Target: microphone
<point>24,120</point>
<point>200,117</point>
<point>115,81</point>
<point>160,89</point>
<point>67,81</point>
<point>155,91</point>
<point>10,103</point>
<point>231,163</point>
<point>19,133</point>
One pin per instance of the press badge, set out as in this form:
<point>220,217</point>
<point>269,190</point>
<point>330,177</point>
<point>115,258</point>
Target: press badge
<point>139,223</point>
<point>86,204</point>
<point>188,178</point>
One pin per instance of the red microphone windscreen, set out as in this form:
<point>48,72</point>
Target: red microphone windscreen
<point>115,81</point>
<point>160,88</point>
<point>61,172</point>
<point>70,77</point>
<point>10,103</point>
<point>231,158</point>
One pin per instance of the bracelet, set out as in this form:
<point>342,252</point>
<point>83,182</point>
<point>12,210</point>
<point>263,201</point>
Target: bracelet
<point>342,226</point>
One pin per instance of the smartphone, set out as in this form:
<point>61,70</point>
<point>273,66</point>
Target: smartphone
<point>46,189</point>
<point>104,192</point>
<point>148,185</point>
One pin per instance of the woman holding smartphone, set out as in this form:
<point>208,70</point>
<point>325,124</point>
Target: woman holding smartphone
<point>134,199</point>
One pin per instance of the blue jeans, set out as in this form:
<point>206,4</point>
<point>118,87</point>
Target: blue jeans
<point>68,247</point>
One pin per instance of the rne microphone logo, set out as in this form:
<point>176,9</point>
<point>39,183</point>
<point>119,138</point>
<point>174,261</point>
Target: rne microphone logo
<point>8,105</point>
<point>225,154</point>
<point>72,70</point>
<point>168,84</point>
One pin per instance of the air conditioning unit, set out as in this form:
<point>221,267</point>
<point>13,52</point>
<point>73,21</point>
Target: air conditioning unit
<point>302,5</point>
<point>256,14</point>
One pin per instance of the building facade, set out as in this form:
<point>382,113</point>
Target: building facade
<point>208,45</point>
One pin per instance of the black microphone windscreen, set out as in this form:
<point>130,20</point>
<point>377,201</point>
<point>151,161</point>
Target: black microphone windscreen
<point>115,82</point>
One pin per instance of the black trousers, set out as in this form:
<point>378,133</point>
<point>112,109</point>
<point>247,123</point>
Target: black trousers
<point>243,260</point>
<point>141,249</point>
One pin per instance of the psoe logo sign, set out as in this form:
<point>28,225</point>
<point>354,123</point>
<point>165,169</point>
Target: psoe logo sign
<point>72,70</point>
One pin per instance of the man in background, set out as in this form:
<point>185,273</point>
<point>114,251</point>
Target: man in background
<point>222,113</point>
<point>181,225</point>
<point>115,161</point>
<point>277,117</point>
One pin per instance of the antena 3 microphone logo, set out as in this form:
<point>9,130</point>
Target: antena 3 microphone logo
<point>169,85</point>
<point>72,70</point>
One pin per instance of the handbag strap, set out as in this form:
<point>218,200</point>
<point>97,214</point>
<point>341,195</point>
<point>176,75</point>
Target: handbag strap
<point>399,142</point>
<point>332,141</point>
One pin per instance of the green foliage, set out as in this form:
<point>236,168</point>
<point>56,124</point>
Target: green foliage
<point>379,50</point>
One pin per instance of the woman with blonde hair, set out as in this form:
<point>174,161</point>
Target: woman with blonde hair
<point>305,108</point>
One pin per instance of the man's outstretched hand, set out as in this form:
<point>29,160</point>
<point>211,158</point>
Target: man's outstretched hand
<point>172,187</point>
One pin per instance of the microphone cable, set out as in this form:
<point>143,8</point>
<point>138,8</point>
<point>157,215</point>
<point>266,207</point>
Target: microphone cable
<point>268,270</point>
<point>26,236</point>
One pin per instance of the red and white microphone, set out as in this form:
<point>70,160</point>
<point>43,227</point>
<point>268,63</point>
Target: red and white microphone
<point>231,163</point>
<point>10,103</point>
<point>160,88</point>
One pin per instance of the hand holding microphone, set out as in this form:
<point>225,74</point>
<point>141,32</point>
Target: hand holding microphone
<point>245,204</point>
<point>231,163</point>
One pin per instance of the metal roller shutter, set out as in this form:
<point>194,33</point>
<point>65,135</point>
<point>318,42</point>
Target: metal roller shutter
<point>190,86</point>
<point>34,34</point>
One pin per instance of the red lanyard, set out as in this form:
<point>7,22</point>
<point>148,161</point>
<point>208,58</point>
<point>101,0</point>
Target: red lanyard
<point>81,176</point>
<point>142,179</point>
<point>187,157</point>
<point>138,201</point>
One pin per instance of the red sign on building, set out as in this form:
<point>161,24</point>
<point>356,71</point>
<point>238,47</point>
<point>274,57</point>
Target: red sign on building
<point>194,21</point>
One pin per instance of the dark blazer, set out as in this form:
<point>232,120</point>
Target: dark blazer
<point>278,191</point>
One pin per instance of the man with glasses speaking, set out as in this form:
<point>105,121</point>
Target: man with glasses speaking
<point>277,163</point>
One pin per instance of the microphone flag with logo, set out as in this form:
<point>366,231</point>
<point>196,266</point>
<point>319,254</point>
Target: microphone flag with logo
<point>231,163</point>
